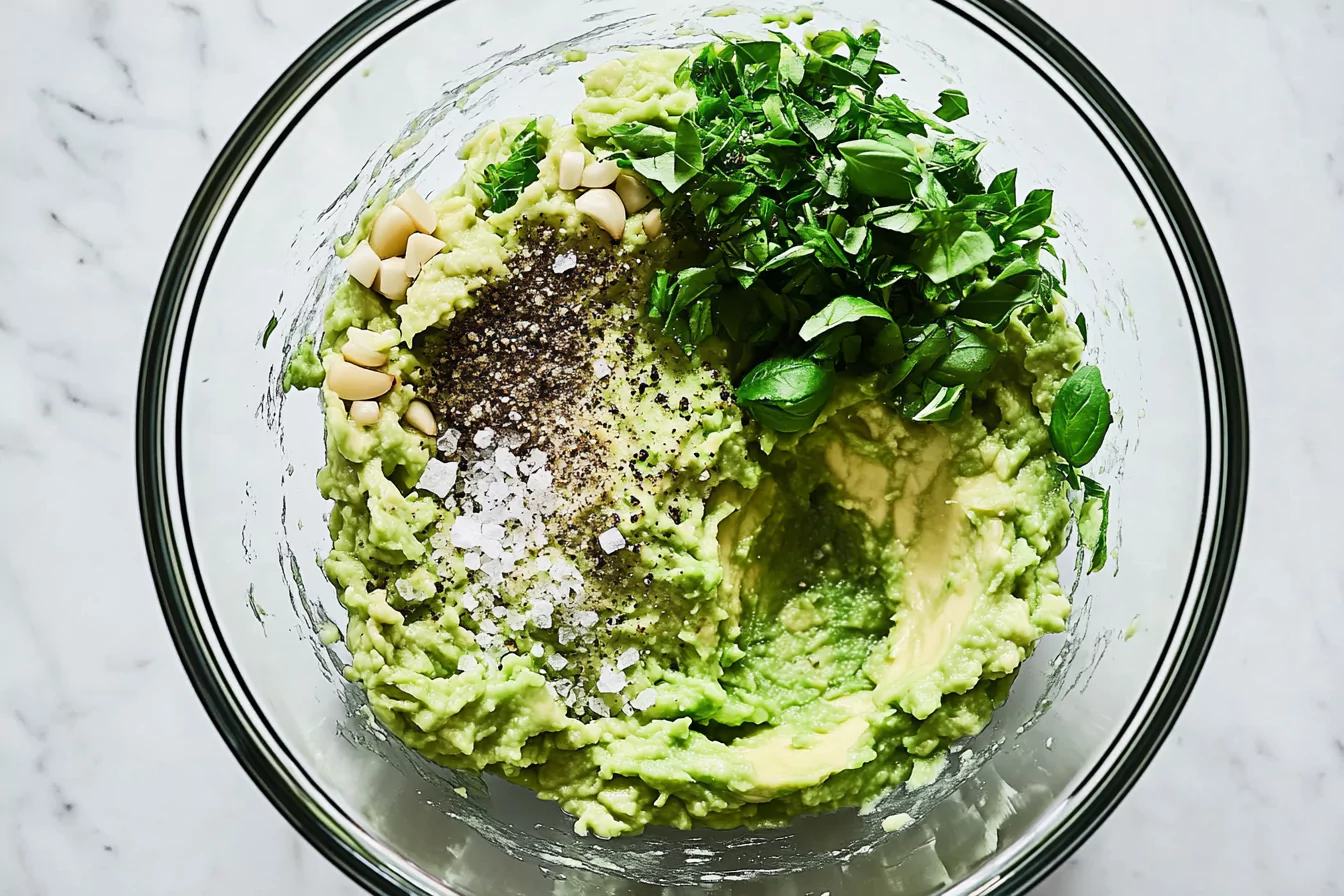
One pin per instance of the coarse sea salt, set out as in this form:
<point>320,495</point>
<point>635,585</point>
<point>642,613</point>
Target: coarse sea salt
<point>483,438</point>
<point>438,478</point>
<point>449,441</point>
<point>611,681</point>
<point>601,369</point>
<point>627,659</point>
<point>466,532</point>
<point>644,699</point>
<point>611,540</point>
<point>566,261</point>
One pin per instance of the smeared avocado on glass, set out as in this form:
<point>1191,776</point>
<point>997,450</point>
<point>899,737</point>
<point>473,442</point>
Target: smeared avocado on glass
<point>706,460</point>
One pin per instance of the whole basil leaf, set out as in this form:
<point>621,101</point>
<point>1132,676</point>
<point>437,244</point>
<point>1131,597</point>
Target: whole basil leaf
<point>899,220</point>
<point>994,304</point>
<point>786,394</point>
<point>887,347</point>
<point>1005,182</point>
<point>1034,211</point>
<point>643,139</point>
<point>886,168</point>
<point>690,158</point>
<point>1080,417</point>
<point>839,311</point>
<point>969,359</point>
<point>956,247</point>
<point>922,349</point>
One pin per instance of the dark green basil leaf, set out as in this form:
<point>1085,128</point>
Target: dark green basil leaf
<point>1005,182</point>
<point>1081,323</point>
<point>956,247</point>
<point>886,168</point>
<point>818,123</point>
<point>887,347</point>
<point>658,295</point>
<point>643,139</point>
<point>786,394</point>
<point>969,359</point>
<point>922,348</point>
<point>993,305</point>
<point>898,219</point>
<point>952,104</point>
<point>854,239</point>
<point>690,157</point>
<point>1034,211</point>
<point>840,311</point>
<point>1080,417</point>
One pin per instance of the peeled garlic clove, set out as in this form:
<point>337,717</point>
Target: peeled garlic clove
<point>571,170</point>
<point>362,264</point>
<point>356,352</point>
<point>390,231</point>
<point>393,279</point>
<point>653,224</point>
<point>421,417</point>
<point>606,210</point>
<point>354,383</point>
<point>364,413</point>
<point>599,174</point>
<point>420,248</point>
<point>634,195</point>
<point>421,213</point>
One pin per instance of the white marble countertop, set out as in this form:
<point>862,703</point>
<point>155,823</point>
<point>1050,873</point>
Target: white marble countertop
<point>114,780</point>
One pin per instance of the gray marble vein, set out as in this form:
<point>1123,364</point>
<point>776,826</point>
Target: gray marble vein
<point>114,780</point>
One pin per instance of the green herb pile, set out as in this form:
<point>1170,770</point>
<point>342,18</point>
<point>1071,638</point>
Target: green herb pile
<point>846,236</point>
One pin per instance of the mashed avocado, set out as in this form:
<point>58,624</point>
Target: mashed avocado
<point>600,578</point>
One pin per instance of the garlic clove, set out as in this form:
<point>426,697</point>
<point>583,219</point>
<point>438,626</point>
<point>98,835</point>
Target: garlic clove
<point>362,264</point>
<point>390,231</point>
<point>419,210</point>
<point>392,279</point>
<point>606,210</point>
<point>571,170</point>
<point>364,413</point>
<point>420,248</point>
<point>599,174</point>
<point>354,383</point>
<point>421,417</point>
<point>653,223</point>
<point>632,191</point>
<point>356,352</point>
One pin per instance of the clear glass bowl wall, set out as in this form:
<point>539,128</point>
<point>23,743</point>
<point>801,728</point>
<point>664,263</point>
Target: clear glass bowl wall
<point>236,528</point>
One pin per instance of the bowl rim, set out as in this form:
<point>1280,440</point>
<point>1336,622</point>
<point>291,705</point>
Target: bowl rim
<point>1227,453</point>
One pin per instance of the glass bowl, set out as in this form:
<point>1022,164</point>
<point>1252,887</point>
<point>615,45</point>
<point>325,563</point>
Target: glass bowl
<point>234,523</point>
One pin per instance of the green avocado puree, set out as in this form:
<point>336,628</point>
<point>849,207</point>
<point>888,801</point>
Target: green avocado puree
<point>812,616</point>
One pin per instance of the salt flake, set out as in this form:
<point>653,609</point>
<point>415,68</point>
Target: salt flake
<point>611,540</point>
<point>438,477</point>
